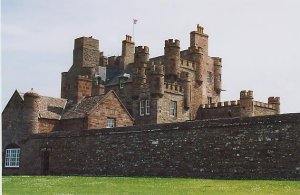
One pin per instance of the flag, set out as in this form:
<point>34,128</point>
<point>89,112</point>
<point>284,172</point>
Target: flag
<point>135,21</point>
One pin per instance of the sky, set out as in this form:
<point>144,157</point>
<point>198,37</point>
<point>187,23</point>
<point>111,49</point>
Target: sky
<point>258,40</point>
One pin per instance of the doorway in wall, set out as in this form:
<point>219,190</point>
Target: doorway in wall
<point>45,159</point>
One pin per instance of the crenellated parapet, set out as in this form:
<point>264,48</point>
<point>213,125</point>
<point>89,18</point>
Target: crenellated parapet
<point>232,103</point>
<point>275,102</point>
<point>172,43</point>
<point>174,88</point>
<point>188,64</point>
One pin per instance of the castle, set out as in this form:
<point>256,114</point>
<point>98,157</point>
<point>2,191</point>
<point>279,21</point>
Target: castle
<point>178,86</point>
<point>132,115</point>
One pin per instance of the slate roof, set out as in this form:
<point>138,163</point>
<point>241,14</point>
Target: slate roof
<point>114,74</point>
<point>51,108</point>
<point>80,109</point>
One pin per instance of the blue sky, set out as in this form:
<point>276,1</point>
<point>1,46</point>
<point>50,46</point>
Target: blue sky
<point>258,40</point>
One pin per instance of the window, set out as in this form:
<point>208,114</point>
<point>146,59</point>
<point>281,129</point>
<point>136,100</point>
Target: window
<point>121,85</point>
<point>111,123</point>
<point>147,107</point>
<point>209,77</point>
<point>142,107</point>
<point>12,157</point>
<point>209,100</point>
<point>173,108</point>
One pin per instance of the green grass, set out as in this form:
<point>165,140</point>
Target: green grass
<point>125,185</point>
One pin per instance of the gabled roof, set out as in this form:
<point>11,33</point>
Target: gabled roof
<point>81,109</point>
<point>52,108</point>
<point>87,105</point>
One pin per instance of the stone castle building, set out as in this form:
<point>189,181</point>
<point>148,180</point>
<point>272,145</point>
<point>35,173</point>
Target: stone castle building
<point>98,126</point>
<point>178,86</point>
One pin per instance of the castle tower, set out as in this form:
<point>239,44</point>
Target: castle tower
<point>172,59</point>
<point>246,103</point>
<point>86,58</point>
<point>187,89</point>
<point>275,101</point>
<point>141,58</point>
<point>64,85</point>
<point>199,39</point>
<point>217,74</point>
<point>32,104</point>
<point>86,52</point>
<point>98,89</point>
<point>157,81</point>
<point>127,52</point>
<point>83,88</point>
<point>195,55</point>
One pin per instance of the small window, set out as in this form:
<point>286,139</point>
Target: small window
<point>111,123</point>
<point>147,107</point>
<point>173,108</point>
<point>12,157</point>
<point>121,85</point>
<point>209,100</point>
<point>142,107</point>
<point>209,77</point>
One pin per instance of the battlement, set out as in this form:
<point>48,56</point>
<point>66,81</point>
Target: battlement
<point>188,64</point>
<point>217,61</point>
<point>195,49</point>
<point>246,94</point>
<point>263,105</point>
<point>174,88</point>
<point>128,38</point>
<point>142,49</point>
<point>172,43</point>
<point>157,69</point>
<point>274,100</point>
<point>221,104</point>
<point>86,42</point>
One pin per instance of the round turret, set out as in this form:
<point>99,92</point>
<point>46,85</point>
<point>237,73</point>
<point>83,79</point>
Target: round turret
<point>172,59</point>
<point>195,55</point>
<point>32,104</point>
<point>187,89</point>
<point>157,80</point>
<point>141,58</point>
<point>217,74</point>
<point>275,101</point>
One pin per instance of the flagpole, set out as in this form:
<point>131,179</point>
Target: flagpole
<point>134,21</point>
<point>133,30</point>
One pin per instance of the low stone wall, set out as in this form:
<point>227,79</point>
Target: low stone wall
<point>254,148</point>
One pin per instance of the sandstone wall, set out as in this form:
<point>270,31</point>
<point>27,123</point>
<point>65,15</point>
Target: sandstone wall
<point>257,147</point>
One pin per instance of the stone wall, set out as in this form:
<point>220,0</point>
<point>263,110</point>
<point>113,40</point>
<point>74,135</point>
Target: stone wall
<point>109,107</point>
<point>219,112</point>
<point>258,147</point>
<point>48,125</point>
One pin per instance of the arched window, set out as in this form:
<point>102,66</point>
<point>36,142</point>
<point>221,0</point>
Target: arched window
<point>12,155</point>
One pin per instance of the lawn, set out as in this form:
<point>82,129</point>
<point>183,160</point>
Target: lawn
<point>126,185</point>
